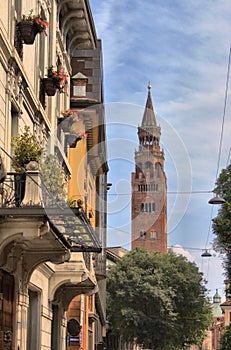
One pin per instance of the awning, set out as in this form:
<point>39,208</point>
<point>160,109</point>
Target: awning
<point>75,227</point>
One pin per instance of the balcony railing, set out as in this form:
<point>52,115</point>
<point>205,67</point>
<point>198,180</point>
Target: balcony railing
<point>25,191</point>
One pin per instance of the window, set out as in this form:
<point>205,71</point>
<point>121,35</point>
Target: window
<point>158,169</point>
<point>148,165</point>
<point>138,169</point>
<point>55,331</point>
<point>42,38</point>
<point>18,9</point>
<point>33,320</point>
<point>148,207</point>
<point>153,235</point>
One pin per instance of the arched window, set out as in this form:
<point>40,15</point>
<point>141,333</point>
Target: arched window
<point>158,169</point>
<point>149,167</point>
<point>138,169</point>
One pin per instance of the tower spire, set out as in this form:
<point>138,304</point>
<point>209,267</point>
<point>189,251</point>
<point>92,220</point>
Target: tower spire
<point>149,118</point>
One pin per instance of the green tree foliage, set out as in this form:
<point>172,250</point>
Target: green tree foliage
<point>225,341</point>
<point>222,223</point>
<point>157,300</point>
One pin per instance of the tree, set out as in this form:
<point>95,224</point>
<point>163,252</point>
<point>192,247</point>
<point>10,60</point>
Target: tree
<point>222,223</point>
<point>225,341</point>
<point>157,300</point>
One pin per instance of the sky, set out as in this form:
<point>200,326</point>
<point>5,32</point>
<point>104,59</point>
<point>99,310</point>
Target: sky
<point>183,49</point>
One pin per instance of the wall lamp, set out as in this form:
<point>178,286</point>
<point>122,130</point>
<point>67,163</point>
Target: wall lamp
<point>107,186</point>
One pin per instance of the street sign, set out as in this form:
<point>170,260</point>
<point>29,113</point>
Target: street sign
<point>73,339</point>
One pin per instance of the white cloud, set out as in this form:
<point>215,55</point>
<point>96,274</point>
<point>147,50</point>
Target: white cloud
<point>179,250</point>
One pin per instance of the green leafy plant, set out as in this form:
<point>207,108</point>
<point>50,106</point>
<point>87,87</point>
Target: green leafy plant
<point>158,300</point>
<point>74,203</point>
<point>52,176</point>
<point>225,341</point>
<point>26,148</point>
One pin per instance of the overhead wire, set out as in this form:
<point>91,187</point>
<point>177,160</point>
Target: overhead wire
<point>221,136</point>
<point>228,159</point>
<point>168,192</point>
<point>224,113</point>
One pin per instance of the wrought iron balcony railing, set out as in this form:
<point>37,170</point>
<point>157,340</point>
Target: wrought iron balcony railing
<point>22,192</point>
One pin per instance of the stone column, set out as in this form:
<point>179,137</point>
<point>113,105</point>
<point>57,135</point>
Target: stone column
<point>33,191</point>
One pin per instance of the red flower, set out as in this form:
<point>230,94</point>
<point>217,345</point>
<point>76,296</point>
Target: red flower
<point>40,24</point>
<point>59,76</point>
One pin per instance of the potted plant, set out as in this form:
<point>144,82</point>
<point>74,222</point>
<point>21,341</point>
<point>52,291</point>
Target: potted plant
<point>30,26</point>
<point>56,80</point>
<point>67,119</point>
<point>66,123</point>
<point>76,205</point>
<point>25,149</point>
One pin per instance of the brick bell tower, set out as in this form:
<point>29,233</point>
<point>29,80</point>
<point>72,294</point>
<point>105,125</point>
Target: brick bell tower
<point>149,200</point>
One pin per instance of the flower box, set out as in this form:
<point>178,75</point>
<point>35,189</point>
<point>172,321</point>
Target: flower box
<point>59,77</point>
<point>30,26</point>
<point>49,85</point>
<point>28,32</point>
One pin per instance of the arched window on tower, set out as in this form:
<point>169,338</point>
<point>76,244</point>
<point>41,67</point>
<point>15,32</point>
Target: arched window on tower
<point>138,170</point>
<point>156,141</point>
<point>158,169</point>
<point>149,167</point>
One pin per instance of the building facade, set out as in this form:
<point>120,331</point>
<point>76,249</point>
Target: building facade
<point>149,199</point>
<point>53,216</point>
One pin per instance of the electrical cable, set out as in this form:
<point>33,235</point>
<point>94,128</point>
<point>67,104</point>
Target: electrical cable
<point>223,117</point>
<point>168,192</point>
<point>221,136</point>
<point>228,159</point>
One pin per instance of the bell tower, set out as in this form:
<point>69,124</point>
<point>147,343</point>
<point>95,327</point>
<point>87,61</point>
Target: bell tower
<point>149,199</point>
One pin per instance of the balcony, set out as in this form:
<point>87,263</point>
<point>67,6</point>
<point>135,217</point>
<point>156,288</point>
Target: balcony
<point>24,195</point>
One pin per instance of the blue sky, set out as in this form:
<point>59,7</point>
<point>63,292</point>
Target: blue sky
<point>182,47</point>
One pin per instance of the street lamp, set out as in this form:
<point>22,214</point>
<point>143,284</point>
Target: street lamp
<point>216,199</point>
<point>206,254</point>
